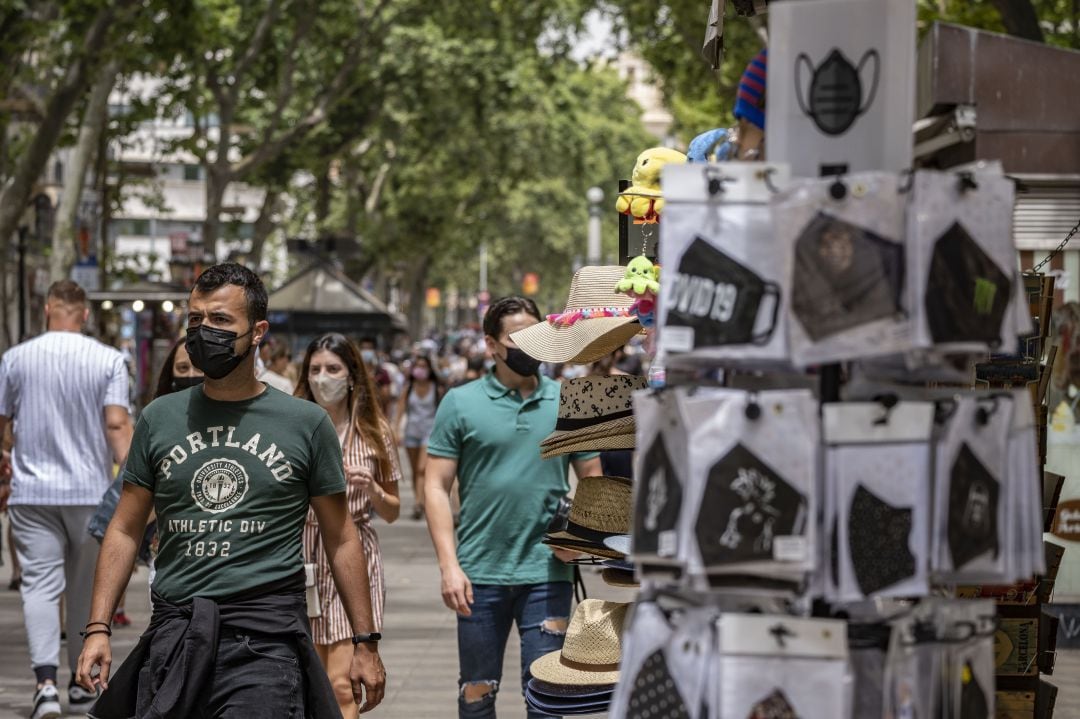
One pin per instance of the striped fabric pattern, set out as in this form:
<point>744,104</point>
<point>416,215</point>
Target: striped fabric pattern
<point>56,387</point>
<point>333,626</point>
<point>750,100</point>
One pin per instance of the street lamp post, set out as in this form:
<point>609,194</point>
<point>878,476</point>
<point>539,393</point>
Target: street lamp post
<point>595,196</point>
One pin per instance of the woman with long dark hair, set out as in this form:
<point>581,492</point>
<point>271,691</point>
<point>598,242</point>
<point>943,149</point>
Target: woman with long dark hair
<point>334,376</point>
<point>416,409</point>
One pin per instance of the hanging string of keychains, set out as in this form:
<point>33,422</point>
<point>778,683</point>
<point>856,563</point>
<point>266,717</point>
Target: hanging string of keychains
<point>1058,249</point>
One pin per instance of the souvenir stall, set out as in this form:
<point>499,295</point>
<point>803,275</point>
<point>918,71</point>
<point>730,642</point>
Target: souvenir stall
<point>826,497</point>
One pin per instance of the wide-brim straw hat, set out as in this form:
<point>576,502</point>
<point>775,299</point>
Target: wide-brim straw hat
<point>594,408</point>
<point>585,547</point>
<point>600,443</point>
<point>596,322</point>
<point>600,509</point>
<point>619,578</point>
<point>592,647</point>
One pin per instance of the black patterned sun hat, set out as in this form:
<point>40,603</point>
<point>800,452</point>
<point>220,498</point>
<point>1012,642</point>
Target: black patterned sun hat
<point>594,407</point>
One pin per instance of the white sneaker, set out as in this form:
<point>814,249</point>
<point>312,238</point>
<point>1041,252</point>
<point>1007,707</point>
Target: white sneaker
<point>80,700</point>
<point>46,703</point>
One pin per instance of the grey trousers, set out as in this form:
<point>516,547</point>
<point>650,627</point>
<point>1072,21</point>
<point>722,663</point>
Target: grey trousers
<point>58,557</point>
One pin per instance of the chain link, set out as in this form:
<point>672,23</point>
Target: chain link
<point>1057,249</point>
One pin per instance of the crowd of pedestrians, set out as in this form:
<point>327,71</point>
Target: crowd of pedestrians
<point>248,486</point>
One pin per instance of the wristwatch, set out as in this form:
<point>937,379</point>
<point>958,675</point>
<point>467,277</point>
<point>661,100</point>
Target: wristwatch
<point>372,638</point>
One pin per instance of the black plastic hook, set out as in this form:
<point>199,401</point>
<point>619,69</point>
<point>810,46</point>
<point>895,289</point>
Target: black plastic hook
<point>966,181</point>
<point>944,409</point>
<point>715,180</point>
<point>983,415</point>
<point>838,190</point>
<point>753,409</point>
<point>888,402</point>
<point>766,177</point>
<point>780,633</point>
<point>909,181</point>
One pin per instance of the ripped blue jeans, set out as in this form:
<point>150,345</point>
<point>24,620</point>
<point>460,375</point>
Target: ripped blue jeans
<point>541,612</point>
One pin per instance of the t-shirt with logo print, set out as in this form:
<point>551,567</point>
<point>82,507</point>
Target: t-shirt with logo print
<point>232,483</point>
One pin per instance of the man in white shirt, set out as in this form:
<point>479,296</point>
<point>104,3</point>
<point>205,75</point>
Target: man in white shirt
<point>67,395</point>
<point>276,358</point>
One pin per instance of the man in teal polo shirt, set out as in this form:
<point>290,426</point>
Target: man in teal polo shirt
<point>487,434</point>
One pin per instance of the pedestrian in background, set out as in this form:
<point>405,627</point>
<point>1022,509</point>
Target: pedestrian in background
<point>333,375</point>
<point>67,395</point>
<point>276,358</point>
<point>499,573</point>
<point>231,468</point>
<point>416,410</point>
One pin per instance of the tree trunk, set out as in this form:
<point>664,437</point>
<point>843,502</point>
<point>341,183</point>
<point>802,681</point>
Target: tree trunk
<point>18,191</point>
<point>216,182</point>
<point>1020,19</point>
<point>324,190</point>
<point>97,112</point>
<point>417,295</point>
<point>264,226</point>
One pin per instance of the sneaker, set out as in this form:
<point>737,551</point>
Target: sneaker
<point>80,700</point>
<point>46,703</point>
<point>121,620</point>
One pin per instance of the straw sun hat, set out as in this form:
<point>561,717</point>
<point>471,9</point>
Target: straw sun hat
<point>592,649</point>
<point>595,414</point>
<point>596,322</point>
<point>601,509</point>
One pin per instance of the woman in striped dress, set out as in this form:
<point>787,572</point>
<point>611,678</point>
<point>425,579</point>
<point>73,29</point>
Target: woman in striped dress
<point>334,375</point>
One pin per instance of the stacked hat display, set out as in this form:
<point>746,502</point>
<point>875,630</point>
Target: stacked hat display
<point>580,678</point>
<point>596,414</point>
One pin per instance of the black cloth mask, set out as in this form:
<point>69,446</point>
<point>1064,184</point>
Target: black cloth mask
<point>180,383</point>
<point>719,298</point>
<point>214,351</point>
<point>973,702</point>
<point>845,276</point>
<point>521,363</point>
<point>878,536</point>
<point>774,706</point>
<point>745,506</point>
<point>659,500</point>
<point>654,693</point>
<point>973,509</point>
<point>967,294</point>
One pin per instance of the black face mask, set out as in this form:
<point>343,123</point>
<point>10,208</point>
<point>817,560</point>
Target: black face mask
<point>214,351</point>
<point>180,383</point>
<point>845,276</point>
<point>973,509</point>
<point>744,507</point>
<point>878,536</point>
<point>521,363</point>
<point>719,298</point>
<point>654,692</point>
<point>659,500</point>
<point>967,294</point>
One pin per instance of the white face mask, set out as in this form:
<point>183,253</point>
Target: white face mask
<point>329,390</point>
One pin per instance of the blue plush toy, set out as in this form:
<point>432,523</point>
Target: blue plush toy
<point>713,143</point>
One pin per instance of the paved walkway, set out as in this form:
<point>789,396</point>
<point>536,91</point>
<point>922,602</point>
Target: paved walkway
<point>420,651</point>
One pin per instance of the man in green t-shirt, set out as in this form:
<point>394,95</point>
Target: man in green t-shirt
<point>487,434</point>
<point>229,468</point>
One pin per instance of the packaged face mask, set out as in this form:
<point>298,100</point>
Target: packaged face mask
<point>877,499</point>
<point>724,272</point>
<point>962,262</point>
<point>752,493</point>
<point>647,683</point>
<point>971,521</point>
<point>781,666</point>
<point>848,293</point>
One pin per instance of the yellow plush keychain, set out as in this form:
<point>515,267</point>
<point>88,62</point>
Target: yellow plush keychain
<point>643,200</point>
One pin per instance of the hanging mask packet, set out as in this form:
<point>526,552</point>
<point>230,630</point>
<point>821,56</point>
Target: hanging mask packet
<point>965,289</point>
<point>971,529</point>
<point>647,680</point>
<point>1025,500</point>
<point>878,462</point>
<point>968,628</point>
<point>751,495</point>
<point>846,238</point>
<point>660,467</point>
<point>781,666</point>
<point>724,274</point>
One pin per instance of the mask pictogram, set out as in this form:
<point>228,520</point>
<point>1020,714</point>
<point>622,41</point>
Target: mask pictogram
<point>835,97</point>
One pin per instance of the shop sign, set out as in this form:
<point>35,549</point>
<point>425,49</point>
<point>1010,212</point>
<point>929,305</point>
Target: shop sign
<point>1067,520</point>
<point>840,95</point>
<point>87,275</point>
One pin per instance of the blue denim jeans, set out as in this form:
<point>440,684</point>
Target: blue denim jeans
<point>482,636</point>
